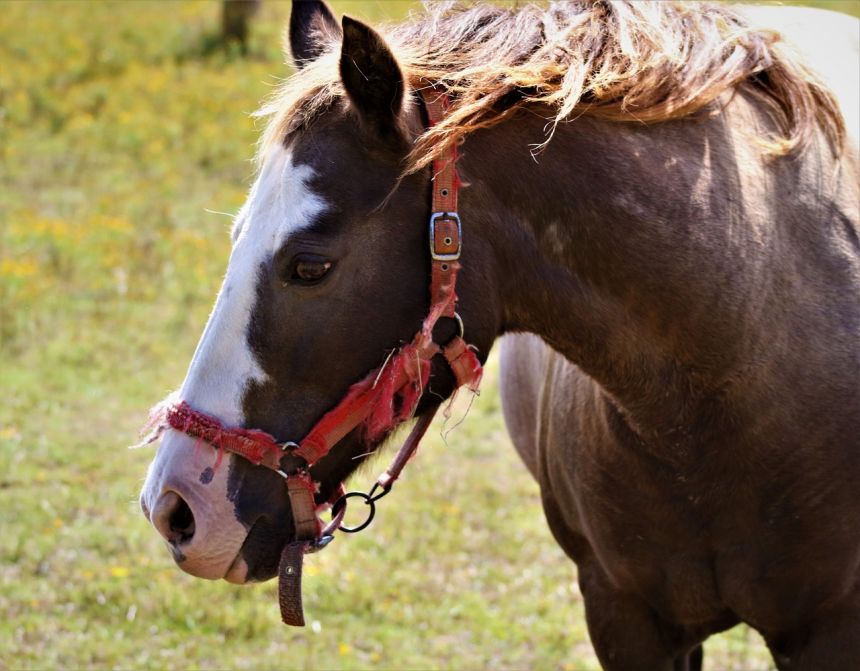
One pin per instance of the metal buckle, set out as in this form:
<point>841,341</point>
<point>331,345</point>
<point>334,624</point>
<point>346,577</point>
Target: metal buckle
<point>286,448</point>
<point>318,544</point>
<point>452,216</point>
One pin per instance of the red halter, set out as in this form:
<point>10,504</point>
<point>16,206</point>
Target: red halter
<point>387,396</point>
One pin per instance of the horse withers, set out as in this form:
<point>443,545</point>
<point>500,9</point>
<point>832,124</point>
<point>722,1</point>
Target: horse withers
<point>666,197</point>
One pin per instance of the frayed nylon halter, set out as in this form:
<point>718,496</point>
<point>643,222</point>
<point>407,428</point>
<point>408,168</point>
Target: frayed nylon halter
<point>383,399</point>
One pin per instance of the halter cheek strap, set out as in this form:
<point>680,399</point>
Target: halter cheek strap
<point>386,397</point>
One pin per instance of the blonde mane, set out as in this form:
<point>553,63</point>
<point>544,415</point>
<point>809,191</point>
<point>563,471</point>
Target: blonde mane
<point>625,61</point>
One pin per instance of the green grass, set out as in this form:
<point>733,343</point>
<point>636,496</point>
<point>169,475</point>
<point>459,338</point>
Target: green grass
<point>116,140</point>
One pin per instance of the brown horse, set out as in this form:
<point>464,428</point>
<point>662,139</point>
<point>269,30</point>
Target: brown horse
<point>667,197</point>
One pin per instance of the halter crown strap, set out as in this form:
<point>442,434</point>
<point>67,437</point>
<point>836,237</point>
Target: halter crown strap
<point>445,229</point>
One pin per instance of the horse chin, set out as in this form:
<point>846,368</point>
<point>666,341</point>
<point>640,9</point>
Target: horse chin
<point>260,556</point>
<point>238,571</point>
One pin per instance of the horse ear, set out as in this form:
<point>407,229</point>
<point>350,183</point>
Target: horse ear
<point>370,73</point>
<point>311,21</point>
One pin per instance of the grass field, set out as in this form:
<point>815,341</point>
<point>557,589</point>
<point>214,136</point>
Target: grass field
<point>120,147</point>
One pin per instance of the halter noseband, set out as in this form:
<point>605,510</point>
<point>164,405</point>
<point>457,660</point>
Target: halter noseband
<point>385,397</point>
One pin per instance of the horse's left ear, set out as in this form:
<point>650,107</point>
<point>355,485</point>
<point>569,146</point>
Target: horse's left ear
<point>370,74</point>
<point>311,22</point>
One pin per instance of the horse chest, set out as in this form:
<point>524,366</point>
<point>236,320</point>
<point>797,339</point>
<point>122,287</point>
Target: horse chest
<point>647,535</point>
<point>698,549</point>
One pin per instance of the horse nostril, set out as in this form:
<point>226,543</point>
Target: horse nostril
<point>173,518</point>
<point>182,522</point>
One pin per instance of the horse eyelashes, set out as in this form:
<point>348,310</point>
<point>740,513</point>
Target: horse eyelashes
<point>307,269</point>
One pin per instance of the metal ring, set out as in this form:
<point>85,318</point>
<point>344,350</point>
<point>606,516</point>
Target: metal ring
<point>460,324</point>
<point>341,502</point>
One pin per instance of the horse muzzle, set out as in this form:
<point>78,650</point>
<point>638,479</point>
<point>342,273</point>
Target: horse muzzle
<point>186,499</point>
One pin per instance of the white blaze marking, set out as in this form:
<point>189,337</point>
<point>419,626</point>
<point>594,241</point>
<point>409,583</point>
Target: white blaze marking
<point>279,204</point>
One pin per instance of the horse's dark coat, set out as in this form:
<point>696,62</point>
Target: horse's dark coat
<point>700,461</point>
<point>695,426</point>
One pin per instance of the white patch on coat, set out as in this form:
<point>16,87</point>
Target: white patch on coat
<point>280,203</point>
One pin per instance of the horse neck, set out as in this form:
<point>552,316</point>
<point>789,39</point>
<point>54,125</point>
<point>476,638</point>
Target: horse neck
<point>631,250</point>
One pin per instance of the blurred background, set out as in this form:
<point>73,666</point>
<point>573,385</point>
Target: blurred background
<point>125,146</point>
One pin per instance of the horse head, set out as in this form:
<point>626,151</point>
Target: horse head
<point>328,274</point>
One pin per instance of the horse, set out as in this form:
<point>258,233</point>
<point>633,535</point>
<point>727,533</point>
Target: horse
<point>659,202</point>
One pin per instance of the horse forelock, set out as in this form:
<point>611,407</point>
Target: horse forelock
<point>625,61</point>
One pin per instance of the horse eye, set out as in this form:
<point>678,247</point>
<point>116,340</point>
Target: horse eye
<point>308,269</point>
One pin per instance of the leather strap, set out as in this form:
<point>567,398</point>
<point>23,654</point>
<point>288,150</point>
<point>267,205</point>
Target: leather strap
<point>407,450</point>
<point>464,363</point>
<point>445,233</point>
<point>290,583</point>
<point>301,489</point>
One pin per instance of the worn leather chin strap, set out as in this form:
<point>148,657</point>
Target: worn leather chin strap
<point>385,397</point>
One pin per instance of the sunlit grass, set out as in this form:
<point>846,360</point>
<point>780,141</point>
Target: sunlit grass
<point>117,139</point>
